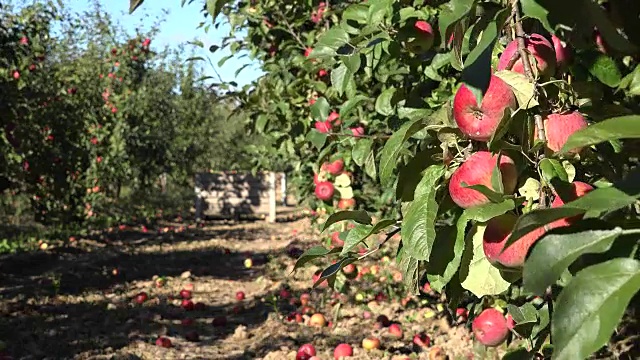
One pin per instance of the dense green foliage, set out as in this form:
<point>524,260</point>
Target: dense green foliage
<point>90,113</point>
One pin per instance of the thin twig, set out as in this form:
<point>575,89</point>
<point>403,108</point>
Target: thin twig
<point>389,236</point>
<point>290,30</point>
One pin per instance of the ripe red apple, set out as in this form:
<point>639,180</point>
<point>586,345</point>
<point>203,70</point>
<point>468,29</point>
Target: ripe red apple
<point>497,232</point>
<point>357,131</point>
<point>192,336</point>
<point>395,330</point>
<point>188,305</point>
<point>163,342</point>
<point>305,299</point>
<point>370,343</point>
<point>578,189</point>
<point>322,126</point>
<point>540,49</point>
<point>285,294</point>
<point>461,314</point>
<point>307,52</point>
<point>324,190</point>
<point>477,170</point>
<point>334,168</point>
<point>342,350</point>
<point>490,327</point>
<point>240,295</point>
<point>334,118</point>
<point>480,122</point>
<point>141,297</point>
<point>305,352</point>
<point>344,204</point>
<point>422,340</point>
<point>219,321</point>
<point>558,128</point>
<point>424,37</point>
<point>335,239</point>
<point>563,53</point>
<point>510,322</point>
<point>185,294</point>
<point>317,320</point>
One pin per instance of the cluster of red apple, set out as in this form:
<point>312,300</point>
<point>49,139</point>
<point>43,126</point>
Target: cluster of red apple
<point>480,122</point>
<point>325,189</point>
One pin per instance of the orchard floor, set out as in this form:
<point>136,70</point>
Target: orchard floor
<point>75,302</point>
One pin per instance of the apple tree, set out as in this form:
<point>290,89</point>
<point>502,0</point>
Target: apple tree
<point>498,138</point>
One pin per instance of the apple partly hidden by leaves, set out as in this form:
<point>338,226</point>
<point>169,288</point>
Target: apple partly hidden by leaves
<point>563,54</point>
<point>477,170</point>
<point>480,122</point>
<point>342,350</point>
<point>577,189</point>
<point>490,327</point>
<point>539,48</point>
<point>495,236</point>
<point>558,128</point>
<point>424,36</point>
<point>335,239</point>
<point>324,190</point>
<point>323,126</point>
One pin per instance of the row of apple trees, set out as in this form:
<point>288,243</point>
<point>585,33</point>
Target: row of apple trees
<point>88,111</point>
<point>499,138</point>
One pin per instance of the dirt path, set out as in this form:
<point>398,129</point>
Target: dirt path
<point>77,302</point>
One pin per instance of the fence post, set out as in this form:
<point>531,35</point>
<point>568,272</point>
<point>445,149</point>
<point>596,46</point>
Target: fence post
<point>272,197</point>
<point>283,188</point>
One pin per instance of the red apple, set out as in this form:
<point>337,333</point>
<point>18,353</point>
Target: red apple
<point>540,49</point>
<point>163,342</point>
<point>316,277</point>
<point>219,321</point>
<point>307,52</point>
<point>187,305</point>
<point>335,167</point>
<point>141,297</point>
<point>344,204</point>
<point>324,190</point>
<point>185,294</point>
<point>357,131</point>
<point>323,126</point>
<point>305,299</point>
<point>317,320</point>
<point>422,340</point>
<point>490,327</point>
<point>370,343</point>
<point>342,350</point>
<point>558,128</point>
<point>510,322</point>
<point>285,294</point>
<point>495,236</point>
<point>334,118</point>
<point>305,352</point>
<point>335,239</point>
<point>578,189</point>
<point>240,295</point>
<point>477,170</point>
<point>563,53</point>
<point>192,336</point>
<point>395,330</point>
<point>424,37</point>
<point>480,122</point>
<point>461,314</point>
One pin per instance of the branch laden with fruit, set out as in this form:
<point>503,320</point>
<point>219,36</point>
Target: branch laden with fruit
<point>505,133</point>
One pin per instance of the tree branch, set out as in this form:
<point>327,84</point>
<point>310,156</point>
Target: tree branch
<point>290,30</point>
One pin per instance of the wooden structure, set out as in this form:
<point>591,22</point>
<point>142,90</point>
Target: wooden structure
<point>233,194</point>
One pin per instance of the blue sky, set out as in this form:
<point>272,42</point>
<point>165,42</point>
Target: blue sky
<point>180,26</point>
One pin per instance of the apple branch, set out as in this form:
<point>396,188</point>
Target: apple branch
<point>290,30</point>
<point>526,62</point>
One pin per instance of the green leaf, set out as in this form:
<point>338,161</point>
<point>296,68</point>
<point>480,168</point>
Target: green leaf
<point>350,104</point>
<point>352,62</point>
<point>334,38</point>
<point>361,150</point>
<point>418,226</point>
<point>378,9</point>
<point>410,175</point>
<point>451,13</point>
<point>493,196</point>
<point>410,267</point>
<point>524,314</point>
<point>591,306</point>
<point>314,253</point>
<point>482,213</point>
<point>622,127</point>
<point>523,89</point>
<point>606,70</point>
<point>317,138</point>
<point>370,165</point>
<point>320,109</point>
<point>340,77</point>
<point>359,216</point>
<point>551,169</point>
<point>224,60</point>
<point>383,102</point>
<point>214,7</point>
<point>531,8</point>
<point>332,270</point>
<point>134,4</point>
<point>363,232</point>
<point>357,13</point>
<point>392,148</point>
<point>482,278</point>
<point>555,252</point>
